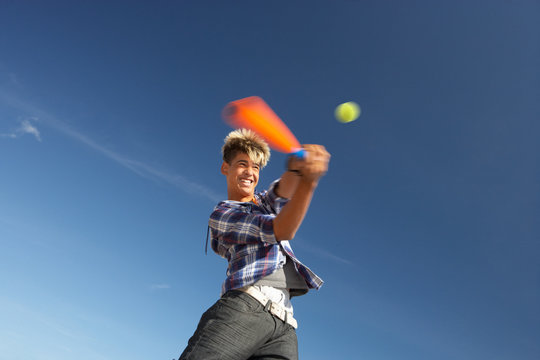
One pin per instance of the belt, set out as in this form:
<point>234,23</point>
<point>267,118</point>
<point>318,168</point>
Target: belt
<point>275,309</point>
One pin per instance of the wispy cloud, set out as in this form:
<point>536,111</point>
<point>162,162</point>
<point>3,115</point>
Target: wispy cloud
<point>321,252</point>
<point>160,286</point>
<point>138,167</point>
<point>25,127</point>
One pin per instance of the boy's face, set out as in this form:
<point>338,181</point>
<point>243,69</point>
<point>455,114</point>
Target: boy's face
<point>242,177</point>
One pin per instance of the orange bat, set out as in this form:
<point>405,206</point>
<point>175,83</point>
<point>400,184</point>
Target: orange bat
<point>255,114</point>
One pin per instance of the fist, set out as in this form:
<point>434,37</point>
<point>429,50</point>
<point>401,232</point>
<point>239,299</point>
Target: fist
<point>315,163</point>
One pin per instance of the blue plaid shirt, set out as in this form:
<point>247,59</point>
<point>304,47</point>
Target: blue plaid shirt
<point>243,233</point>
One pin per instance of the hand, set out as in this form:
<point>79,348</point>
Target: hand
<point>315,163</point>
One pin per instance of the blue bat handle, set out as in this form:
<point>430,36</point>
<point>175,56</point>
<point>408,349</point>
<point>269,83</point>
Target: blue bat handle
<point>300,153</point>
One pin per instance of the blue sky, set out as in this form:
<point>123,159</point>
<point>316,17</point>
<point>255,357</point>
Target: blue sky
<point>425,229</point>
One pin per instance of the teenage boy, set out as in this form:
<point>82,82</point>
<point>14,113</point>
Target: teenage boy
<point>253,319</point>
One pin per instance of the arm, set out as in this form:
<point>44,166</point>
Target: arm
<point>290,179</point>
<point>300,189</point>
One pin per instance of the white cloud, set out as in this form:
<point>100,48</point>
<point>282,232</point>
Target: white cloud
<point>25,127</point>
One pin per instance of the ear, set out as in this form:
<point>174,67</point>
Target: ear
<point>225,168</point>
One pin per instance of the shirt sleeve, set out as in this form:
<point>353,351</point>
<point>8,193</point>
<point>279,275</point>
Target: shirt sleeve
<point>272,199</point>
<point>232,225</point>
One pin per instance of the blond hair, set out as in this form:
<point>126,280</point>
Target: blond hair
<point>248,142</point>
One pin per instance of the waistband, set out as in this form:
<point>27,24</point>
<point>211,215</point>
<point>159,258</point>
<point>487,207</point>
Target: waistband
<point>275,309</point>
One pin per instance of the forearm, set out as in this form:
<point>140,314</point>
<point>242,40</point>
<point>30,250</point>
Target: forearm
<point>288,221</point>
<point>310,169</point>
<point>287,184</point>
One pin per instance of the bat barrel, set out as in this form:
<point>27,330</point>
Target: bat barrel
<point>254,114</point>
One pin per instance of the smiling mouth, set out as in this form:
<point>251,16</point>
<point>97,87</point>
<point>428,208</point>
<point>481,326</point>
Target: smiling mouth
<point>246,181</point>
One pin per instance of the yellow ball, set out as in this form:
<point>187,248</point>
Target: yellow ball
<point>347,112</point>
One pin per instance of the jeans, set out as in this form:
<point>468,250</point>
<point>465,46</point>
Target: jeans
<point>238,327</point>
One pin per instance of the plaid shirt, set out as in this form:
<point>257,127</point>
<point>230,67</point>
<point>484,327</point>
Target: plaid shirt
<point>243,233</point>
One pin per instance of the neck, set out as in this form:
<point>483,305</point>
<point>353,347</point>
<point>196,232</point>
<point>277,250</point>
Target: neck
<point>240,198</point>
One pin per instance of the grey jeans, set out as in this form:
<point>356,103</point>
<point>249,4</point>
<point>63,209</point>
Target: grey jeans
<point>238,327</point>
